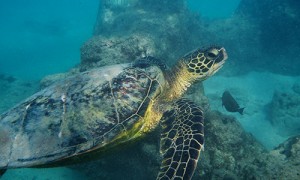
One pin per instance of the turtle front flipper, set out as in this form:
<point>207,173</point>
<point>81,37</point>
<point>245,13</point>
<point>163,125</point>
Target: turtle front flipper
<point>182,139</point>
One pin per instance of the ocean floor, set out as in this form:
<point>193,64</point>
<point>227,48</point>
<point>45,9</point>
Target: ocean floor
<point>254,91</point>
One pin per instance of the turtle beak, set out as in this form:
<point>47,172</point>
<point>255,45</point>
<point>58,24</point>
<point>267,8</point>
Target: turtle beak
<point>219,62</point>
<point>224,53</point>
<point>223,58</point>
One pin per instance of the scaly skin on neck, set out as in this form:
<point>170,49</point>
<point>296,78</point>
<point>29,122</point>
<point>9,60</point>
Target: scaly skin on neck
<point>179,80</point>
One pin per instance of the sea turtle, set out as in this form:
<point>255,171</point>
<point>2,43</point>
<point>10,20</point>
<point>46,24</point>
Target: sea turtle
<point>99,109</point>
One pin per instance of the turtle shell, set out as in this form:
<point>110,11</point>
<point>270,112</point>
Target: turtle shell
<point>80,114</point>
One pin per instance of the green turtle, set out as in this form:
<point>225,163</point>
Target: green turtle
<point>97,110</point>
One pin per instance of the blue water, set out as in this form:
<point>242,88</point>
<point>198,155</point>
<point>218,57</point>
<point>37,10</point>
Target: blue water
<point>43,37</point>
<point>213,9</point>
<point>39,38</point>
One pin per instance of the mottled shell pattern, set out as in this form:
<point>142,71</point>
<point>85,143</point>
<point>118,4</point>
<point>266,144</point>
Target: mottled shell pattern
<point>77,115</point>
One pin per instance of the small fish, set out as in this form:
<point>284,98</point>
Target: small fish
<point>230,103</point>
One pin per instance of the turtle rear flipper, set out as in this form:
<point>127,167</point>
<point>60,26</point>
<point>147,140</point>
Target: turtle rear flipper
<point>182,139</point>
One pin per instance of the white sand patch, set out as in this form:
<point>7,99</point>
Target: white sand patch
<point>253,91</point>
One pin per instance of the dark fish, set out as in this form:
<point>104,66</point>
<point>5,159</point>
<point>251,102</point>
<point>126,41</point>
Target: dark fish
<point>230,103</point>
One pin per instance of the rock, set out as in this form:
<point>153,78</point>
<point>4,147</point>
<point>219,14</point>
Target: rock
<point>196,93</point>
<point>271,17</point>
<point>278,33</point>
<point>174,31</point>
<point>284,113</point>
<point>132,16</point>
<point>245,45</point>
<point>139,160</point>
<point>99,51</point>
<point>229,153</point>
<point>171,28</point>
<point>289,153</point>
<point>290,149</point>
<point>50,79</point>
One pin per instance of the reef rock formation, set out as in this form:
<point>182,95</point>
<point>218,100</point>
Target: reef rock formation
<point>99,51</point>
<point>169,27</point>
<point>278,32</point>
<point>284,113</point>
<point>230,153</point>
<point>288,154</point>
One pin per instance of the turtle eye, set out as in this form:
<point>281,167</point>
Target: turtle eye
<point>211,55</point>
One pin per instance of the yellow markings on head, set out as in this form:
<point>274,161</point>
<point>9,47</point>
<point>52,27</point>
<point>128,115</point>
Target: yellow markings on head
<point>205,62</point>
<point>200,55</point>
<point>199,64</point>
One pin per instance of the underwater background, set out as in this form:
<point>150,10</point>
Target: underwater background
<point>44,41</point>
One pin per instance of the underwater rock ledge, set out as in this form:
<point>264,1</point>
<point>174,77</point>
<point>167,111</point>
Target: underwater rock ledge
<point>284,113</point>
<point>230,153</point>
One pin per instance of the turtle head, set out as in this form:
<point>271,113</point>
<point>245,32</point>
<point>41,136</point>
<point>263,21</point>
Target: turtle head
<point>203,63</point>
<point>197,65</point>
